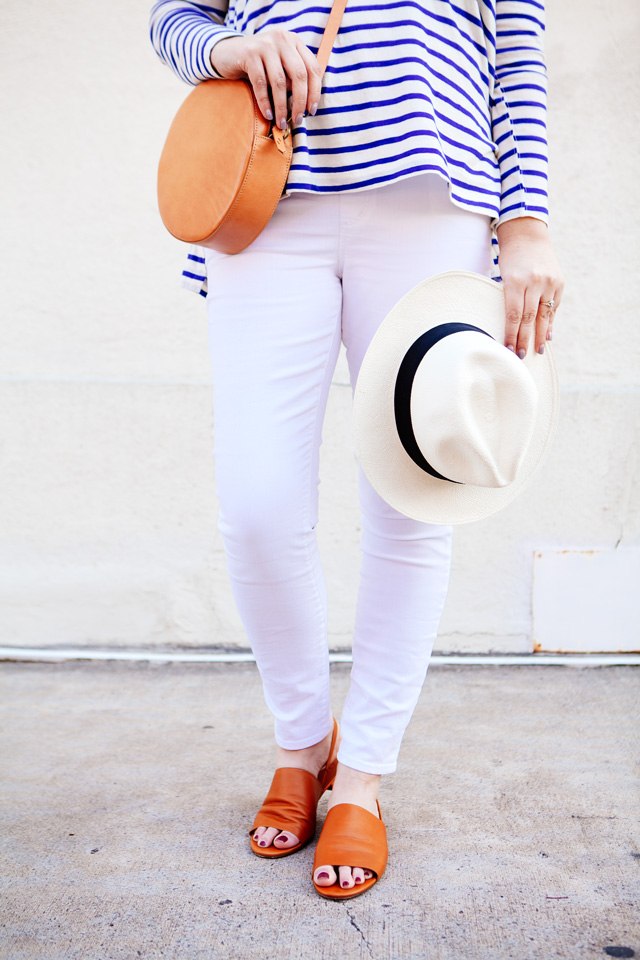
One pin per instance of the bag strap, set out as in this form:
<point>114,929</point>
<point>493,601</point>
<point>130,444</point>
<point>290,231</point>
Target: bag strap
<point>324,52</point>
<point>330,33</point>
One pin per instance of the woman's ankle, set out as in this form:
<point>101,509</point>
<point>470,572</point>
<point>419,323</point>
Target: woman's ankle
<point>354,786</point>
<point>357,781</point>
<point>311,758</point>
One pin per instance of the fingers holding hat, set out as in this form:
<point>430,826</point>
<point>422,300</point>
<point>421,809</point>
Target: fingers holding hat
<point>552,304</point>
<point>547,306</point>
<point>546,312</point>
<point>532,283</point>
<point>522,312</point>
<point>530,312</point>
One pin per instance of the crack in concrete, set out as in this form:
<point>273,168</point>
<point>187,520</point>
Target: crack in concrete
<point>356,927</point>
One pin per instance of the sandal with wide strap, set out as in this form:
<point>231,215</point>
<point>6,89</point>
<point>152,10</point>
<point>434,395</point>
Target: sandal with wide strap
<point>292,800</point>
<point>351,837</point>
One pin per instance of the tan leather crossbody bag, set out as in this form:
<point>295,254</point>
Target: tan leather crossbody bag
<point>224,167</point>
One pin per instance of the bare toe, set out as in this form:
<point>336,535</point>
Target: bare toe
<point>368,874</point>
<point>325,876</point>
<point>266,838</point>
<point>358,875</point>
<point>346,878</point>
<point>285,840</point>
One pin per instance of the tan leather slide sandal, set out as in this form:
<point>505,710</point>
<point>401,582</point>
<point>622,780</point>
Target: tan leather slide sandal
<point>351,837</point>
<point>292,800</point>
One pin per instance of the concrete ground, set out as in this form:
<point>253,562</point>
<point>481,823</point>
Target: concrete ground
<point>128,791</point>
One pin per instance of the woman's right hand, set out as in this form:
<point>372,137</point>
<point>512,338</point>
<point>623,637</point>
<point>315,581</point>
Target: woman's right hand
<point>276,59</point>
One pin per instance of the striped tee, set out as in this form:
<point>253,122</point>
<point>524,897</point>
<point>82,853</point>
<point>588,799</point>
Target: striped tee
<point>455,88</point>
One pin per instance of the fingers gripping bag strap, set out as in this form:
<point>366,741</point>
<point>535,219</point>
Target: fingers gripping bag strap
<point>224,167</point>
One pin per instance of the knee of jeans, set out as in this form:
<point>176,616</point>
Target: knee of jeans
<point>391,525</point>
<point>265,519</point>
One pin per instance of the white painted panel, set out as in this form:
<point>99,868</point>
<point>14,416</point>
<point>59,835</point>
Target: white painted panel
<point>586,600</point>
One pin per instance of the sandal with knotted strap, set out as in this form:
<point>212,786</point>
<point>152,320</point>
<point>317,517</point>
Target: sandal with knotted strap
<point>351,836</point>
<point>292,800</point>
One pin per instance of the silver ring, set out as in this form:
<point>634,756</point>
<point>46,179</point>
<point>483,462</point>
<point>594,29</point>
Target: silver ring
<point>548,303</point>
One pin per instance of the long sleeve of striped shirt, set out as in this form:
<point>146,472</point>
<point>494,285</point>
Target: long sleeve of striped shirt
<point>519,109</point>
<point>184,34</point>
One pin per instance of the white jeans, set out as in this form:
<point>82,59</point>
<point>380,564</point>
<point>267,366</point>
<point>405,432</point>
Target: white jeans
<point>327,268</point>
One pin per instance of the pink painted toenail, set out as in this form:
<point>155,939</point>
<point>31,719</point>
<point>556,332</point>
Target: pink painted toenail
<point>263,843</point>
<point>358,879</point>
<point>323,876</point>
<point>345,883</point>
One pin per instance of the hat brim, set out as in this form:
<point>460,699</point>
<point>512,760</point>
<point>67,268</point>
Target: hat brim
<point>455,296</point>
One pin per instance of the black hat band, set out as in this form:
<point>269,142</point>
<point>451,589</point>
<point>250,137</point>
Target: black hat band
<point>404,384</point>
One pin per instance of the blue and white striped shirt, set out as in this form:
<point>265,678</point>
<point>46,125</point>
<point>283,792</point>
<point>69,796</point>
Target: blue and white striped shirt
<point>456,88</point>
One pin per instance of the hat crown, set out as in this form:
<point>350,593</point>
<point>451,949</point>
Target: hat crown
<point>473,410</point>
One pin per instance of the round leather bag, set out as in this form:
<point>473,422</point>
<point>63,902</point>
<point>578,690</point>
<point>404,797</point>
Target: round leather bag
<point>223,168</point>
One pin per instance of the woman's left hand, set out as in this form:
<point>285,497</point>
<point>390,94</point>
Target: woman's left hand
<point>531,276</point>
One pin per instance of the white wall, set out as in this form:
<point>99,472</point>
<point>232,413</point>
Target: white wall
<point>107,510</point>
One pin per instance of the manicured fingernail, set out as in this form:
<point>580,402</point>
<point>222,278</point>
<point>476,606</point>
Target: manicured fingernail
<point>522,354</point>
<point>550,335</point>
<point>314,107</point>
<point>299,119</point>
<point>269,115</point>
<point>283,124</point>
<point>541,349</point>
<point>509,347</point>
<point>323,876</point>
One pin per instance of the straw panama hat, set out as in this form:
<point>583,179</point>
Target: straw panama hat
<point>450,426</point>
